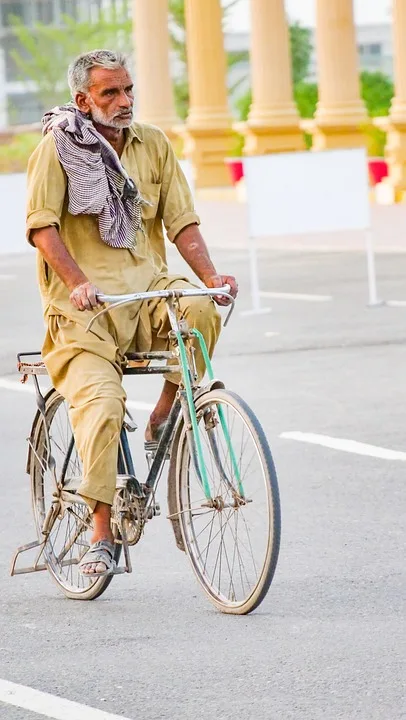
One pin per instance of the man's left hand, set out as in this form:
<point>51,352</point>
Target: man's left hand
<point>218,281</point>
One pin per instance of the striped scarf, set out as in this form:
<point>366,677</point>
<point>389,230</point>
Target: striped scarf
<point>97,182</point>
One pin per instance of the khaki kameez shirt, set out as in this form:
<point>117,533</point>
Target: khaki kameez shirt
<point>150,161</point>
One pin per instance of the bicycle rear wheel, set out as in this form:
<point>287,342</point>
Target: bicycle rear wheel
<point>69,524</point>
<point>233,540</point>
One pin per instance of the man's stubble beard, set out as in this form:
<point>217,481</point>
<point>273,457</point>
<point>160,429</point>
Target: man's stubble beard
<point>101,118</point>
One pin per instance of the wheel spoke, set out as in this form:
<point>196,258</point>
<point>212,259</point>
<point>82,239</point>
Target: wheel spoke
<point>233,556</point>
<point>69,536</point>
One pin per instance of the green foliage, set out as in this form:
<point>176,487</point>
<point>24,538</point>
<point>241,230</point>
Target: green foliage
<point>14,154</point>
<point>306,93</point>
<point>46,50</point>
<point>301,50</point>
<point>181,93</point>
<point>243,105</point>
<point>178,42</point>
<point>306,97</point>
<point>377,91</point>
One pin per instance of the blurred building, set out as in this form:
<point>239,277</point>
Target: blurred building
<point>18,100</point>
<point>375,49</point>
<point>19,103</point>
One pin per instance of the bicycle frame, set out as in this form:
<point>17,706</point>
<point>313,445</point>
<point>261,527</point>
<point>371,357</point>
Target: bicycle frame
<point>184,401</point>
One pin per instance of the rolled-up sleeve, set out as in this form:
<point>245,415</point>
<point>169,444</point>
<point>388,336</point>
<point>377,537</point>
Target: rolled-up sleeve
<point>176,206</point>
<point>46,187</point>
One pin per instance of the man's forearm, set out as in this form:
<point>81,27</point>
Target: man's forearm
<point>48,241</point>
<point>194,250</point>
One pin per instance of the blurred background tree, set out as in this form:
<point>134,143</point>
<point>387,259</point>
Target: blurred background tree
<point>301,50</point>
<point>377,91</point>
<point>46,51</point>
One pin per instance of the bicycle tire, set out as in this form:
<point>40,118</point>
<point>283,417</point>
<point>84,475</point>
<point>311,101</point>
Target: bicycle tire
<point>185,509</point>
<point>88,588</point>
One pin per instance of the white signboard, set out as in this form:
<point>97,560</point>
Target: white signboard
<point>307,192</point>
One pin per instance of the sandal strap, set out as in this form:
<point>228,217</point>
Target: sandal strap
<point>97,553</point>
<point>103,545</point>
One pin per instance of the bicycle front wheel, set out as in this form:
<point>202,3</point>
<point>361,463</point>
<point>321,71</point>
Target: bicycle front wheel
<point>233,538</point>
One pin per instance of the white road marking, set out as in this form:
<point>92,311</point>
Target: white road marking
<point>349,446</point>
<point>16,386</point>
<point>296,296</point>
<point>395,303</point>
<point>271,334</point>
<point>50,706</point>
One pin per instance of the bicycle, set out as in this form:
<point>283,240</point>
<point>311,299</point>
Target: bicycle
<point>223,497</point>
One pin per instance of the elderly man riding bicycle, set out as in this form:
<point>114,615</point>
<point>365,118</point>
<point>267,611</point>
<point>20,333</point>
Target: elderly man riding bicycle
<point>100,188</point>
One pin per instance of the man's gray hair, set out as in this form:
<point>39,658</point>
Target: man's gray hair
<point>79,69</point>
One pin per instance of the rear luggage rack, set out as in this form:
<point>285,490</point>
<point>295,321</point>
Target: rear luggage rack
<point>137,364</point>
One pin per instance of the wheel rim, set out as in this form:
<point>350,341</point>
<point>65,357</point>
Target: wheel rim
<point>69,537</point>
<point>229,545</point>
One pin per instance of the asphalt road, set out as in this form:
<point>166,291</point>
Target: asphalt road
<point>329,641</point>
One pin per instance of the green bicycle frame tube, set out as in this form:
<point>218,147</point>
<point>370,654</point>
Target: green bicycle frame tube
<point>192,413</point>
<point>223,422</point>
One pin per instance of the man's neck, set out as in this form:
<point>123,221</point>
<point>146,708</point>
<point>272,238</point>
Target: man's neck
<point>115,136</point>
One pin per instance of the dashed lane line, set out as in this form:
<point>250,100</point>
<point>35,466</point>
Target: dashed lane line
<point>348,446</point>
<point>50,706</point>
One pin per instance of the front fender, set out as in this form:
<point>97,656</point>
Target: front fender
<point>211,385</point>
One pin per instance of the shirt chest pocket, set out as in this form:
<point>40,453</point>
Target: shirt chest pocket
<point>151,193</point>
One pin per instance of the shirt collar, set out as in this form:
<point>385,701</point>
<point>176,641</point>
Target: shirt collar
<point>132,132</point>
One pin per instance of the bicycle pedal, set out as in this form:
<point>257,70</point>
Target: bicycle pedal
<point>119,570</point>
<point>154,511</point>
<point>130,425</point>
<point>150,453</point>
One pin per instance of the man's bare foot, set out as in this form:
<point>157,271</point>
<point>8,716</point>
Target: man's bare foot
<point>101,533</point>
<point>160,414</point>
<point>99,559</point>
<point>154,429</point>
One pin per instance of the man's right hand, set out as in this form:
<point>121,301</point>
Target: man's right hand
<point>84,296</point>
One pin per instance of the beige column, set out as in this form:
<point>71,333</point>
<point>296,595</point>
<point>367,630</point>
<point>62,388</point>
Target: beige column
<point>341,114</point>
<point>395,124</point>
<point>273,122</point>
<point>207,133</point>
<point>154,93</point>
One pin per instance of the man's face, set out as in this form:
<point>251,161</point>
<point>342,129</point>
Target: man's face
<point>110,99</point>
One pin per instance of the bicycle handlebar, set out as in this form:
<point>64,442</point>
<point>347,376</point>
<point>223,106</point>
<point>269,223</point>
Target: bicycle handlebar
<point>118,300</point>
<point>175,292</point>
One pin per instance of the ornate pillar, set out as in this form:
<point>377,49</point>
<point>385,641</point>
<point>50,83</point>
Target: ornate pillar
<point>154,94</point>
<point>341,114</point>
<point>273,122</point>
<point>207,132</point>
<point>395,124</point>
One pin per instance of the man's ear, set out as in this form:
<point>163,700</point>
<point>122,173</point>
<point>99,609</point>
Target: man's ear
<point>82,102</point>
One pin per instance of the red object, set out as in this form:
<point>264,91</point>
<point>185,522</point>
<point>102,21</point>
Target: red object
<point>236,169</point>
<point>378,170</point>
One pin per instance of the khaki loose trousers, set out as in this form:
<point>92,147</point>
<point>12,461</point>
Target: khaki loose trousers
<point>86,370</point>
